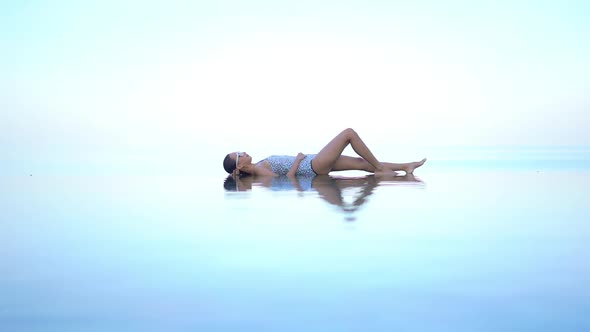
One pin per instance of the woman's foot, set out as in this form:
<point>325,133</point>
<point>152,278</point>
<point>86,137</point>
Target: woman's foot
<point>410,167</point>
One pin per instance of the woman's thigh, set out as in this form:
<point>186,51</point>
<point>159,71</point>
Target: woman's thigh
<point>326,159</point>
<point>344,163</point>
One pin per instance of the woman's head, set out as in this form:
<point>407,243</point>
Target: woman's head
<point>236,160</point>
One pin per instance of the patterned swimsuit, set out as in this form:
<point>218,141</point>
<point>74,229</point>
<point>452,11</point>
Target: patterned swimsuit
<point>281,165</point>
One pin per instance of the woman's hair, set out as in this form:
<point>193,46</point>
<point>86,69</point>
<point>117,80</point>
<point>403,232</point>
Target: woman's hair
<point>229,164</point>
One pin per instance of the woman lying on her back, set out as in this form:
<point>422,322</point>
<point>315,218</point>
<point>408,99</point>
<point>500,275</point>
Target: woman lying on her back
<point>329,159</point>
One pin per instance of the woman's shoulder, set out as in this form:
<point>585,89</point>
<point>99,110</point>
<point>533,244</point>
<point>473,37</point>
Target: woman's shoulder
<point>264,163</point>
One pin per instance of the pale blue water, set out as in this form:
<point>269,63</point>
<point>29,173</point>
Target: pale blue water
<point>470,245</point>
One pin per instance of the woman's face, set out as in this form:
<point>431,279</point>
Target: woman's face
<point>241,158</point>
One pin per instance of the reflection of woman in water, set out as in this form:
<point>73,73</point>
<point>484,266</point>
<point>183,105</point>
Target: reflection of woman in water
<point>328,187</point>
<point>329,159</point>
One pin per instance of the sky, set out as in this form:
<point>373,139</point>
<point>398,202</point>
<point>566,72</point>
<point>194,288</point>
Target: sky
<point>172,82</point>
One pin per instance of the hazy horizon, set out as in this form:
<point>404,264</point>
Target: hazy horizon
<point>215,77</point>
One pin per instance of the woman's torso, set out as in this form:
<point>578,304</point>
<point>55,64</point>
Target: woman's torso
<point>282,164</point>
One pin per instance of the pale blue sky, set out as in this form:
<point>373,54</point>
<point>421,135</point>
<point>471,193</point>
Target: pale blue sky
<point>115,77</point>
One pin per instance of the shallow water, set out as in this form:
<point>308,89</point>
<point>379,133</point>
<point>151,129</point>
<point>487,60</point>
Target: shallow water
<point>500,246</point>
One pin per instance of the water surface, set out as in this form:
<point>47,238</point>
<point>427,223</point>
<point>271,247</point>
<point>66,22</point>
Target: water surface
<point>459,247</point>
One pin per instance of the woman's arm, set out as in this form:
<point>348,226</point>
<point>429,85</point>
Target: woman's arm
<point>298,160</point>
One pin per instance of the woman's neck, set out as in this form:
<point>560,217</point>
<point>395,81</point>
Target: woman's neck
<point>248,168</point>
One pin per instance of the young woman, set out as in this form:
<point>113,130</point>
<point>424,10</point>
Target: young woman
<point>329,159</point>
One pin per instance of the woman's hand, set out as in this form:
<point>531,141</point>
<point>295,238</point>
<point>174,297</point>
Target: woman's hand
<point>298,160</point>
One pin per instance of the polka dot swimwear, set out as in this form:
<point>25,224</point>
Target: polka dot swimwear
<point>281,165</point>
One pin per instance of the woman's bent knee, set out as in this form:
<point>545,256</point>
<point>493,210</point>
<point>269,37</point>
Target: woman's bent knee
<point>350,132</point>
